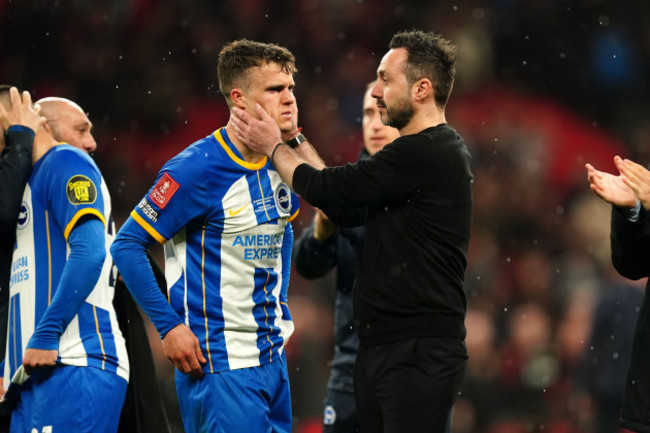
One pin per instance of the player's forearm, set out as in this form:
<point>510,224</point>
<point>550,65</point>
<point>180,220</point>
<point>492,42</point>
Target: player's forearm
<point>80,274</point>
<point>129,252</point>
<point>307,152</point>
<point>285,160</point>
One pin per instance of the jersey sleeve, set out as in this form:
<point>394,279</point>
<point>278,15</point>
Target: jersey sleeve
<point>178,196</point>
<point>74,189</point>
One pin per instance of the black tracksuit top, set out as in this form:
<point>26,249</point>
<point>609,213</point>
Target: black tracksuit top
<point>415,199</point>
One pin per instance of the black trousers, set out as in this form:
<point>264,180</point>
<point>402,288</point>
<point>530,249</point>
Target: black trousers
<point>408,385</point>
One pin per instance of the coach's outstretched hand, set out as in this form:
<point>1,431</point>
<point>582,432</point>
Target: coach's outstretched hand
<point>261,135</point>
<point>182,348</point>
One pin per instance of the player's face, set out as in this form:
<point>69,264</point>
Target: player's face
<point>375,134</point>
<point>72,126</point>
<point>392,90</point>
<point>272,88</point>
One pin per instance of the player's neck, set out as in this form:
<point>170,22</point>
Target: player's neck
<point>43,142</point>
<point>247,154</point>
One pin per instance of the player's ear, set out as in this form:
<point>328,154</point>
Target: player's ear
<point>48,128</point>
<point>238,98</point>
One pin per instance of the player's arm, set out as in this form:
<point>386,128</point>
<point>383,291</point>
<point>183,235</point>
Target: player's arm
<point>129,252</point>
<point>80,274</point>
<point>630,242</point>
<point>15,168</point>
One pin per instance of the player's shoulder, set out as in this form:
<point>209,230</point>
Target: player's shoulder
<point>64,157</point>
<point>193,156</point>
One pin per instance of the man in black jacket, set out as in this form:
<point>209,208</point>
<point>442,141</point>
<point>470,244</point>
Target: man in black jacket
<point>629,195</point>
<point>415,199</point>
<point>322,247</point>
<point>18,123</point>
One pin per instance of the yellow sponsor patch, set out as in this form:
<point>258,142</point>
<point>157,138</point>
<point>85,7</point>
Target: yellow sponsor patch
<point>81,190</point>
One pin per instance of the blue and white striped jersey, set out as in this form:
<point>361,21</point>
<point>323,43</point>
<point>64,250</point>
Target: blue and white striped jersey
<point>225,226</point>
<point>63,188</point>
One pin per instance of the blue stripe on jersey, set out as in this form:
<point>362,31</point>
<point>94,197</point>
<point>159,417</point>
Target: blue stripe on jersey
<point>264,204</point>
<point>264,313</point>
<point>15,351</point>
<point>96,336</point>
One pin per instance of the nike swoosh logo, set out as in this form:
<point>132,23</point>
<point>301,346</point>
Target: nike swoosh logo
<point>234,213</point>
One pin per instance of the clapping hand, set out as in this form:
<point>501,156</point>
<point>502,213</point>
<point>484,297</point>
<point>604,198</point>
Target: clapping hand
<point>610,188</point>
<point>637,178</point>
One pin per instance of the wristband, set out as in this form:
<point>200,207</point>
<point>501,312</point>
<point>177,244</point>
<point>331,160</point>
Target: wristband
<point>276,148</point>
<point>295,141</point>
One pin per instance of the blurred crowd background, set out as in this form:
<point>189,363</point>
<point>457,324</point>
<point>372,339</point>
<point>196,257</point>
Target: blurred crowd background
<point>542,87</point>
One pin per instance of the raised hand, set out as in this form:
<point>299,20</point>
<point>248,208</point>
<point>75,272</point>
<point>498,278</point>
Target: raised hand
<point>21,111</point>
<point>610,188</point>
<point>182,348</point>
<point>637,178</point>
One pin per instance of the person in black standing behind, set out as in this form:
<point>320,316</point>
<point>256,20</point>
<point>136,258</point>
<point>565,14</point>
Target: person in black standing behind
<point>415,199</point>
<point>320,248</point>
<point>18,123</point>
<point>629,195</point>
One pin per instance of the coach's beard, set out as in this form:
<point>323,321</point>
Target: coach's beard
<point>397,117</point>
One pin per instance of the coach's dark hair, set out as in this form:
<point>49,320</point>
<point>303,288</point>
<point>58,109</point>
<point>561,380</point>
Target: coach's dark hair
<point>237,57</point>
<point>429,56</point>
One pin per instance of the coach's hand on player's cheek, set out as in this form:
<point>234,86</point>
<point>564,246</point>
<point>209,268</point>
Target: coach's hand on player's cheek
<point>35,358</point>
<point>182,348</point>
<point>261,135</point>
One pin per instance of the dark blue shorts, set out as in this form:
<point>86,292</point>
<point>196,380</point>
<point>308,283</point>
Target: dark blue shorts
<point>255,399</point>
<point>70,399</point>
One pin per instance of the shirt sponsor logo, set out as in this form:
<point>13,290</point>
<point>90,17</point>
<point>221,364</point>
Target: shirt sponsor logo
<point>148,211</point>
<point>23,216</point>
<point>81,190</point>
<point>260,247</point>
<point>164,191</point>
<point>283,198</point>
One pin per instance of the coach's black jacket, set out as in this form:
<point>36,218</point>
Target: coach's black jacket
<point>415,199</point>
<point>630,243</point>
<point>315,259</point>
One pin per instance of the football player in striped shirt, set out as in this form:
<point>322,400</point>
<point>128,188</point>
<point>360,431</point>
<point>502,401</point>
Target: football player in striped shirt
<point>64,345</point>
<point>223,215</point>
